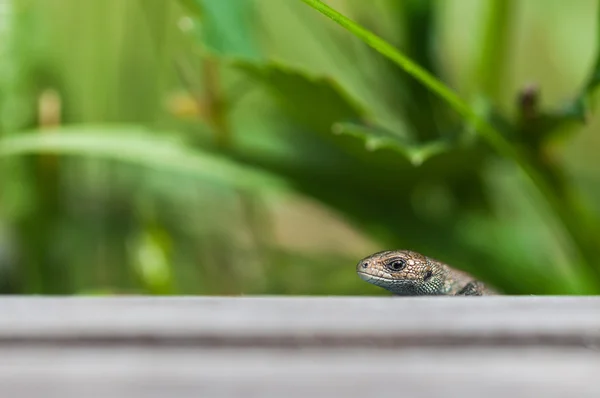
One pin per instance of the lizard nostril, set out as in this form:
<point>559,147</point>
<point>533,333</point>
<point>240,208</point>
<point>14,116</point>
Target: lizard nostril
<point>365,264</point>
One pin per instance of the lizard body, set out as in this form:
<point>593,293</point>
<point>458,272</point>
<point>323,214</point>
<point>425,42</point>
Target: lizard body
<point>408,273</point>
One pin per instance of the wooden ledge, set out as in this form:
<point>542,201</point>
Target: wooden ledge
<point>300,346</point>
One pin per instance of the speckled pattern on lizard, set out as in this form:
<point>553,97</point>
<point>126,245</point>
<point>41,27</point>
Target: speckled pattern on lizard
<point>408,273</point>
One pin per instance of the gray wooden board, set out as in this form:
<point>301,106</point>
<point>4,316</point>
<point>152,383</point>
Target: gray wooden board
<point>300,346</point>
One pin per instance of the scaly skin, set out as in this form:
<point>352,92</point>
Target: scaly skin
<point>408,273</point>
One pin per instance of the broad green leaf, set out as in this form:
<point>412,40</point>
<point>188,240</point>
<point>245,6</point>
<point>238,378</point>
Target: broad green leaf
<point>375,139</point>
<point>316,101</point>
<point>324,106</point>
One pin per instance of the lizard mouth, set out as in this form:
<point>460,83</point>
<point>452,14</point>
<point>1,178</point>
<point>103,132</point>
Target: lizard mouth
<point>398,287</point>
<point>376,280</point>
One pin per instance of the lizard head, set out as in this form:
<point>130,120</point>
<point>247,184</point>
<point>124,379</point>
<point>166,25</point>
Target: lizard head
<point>402,272</point>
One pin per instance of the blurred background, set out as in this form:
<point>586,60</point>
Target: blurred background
<point>255,147</point>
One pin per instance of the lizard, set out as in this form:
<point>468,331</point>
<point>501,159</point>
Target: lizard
<point>409,273</point>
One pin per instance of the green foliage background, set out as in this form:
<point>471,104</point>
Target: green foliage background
<point>258,147</point>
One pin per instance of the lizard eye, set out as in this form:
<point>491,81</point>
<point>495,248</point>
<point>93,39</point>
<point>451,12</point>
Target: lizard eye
<point>397,265</point>
<point>428,275</point>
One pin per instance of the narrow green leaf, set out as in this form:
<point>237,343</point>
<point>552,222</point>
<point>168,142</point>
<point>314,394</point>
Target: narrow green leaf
<point>136,145</point>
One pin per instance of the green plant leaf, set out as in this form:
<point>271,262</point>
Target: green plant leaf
<point>376,138</point>
<point>324,106</point>
<point>316,101</point>
<point>139,146</point>
<point>225,26</point>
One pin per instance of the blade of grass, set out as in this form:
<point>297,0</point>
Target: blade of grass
<point>570,214</point>
<point>135,145</point>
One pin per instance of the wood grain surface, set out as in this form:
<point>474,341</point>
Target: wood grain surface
<point>300,347</point>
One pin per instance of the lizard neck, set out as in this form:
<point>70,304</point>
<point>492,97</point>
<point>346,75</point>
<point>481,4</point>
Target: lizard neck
<point>442,282</point>
<point>456,280</point>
